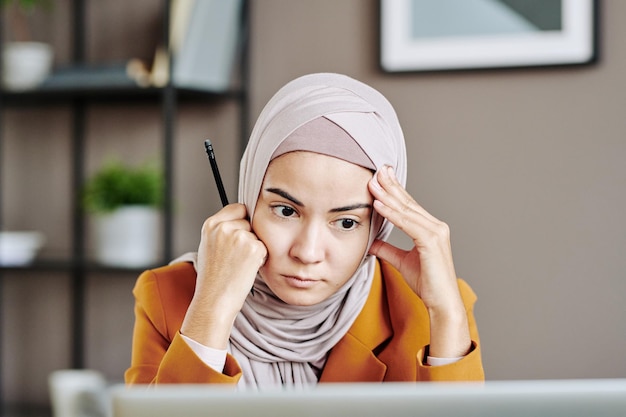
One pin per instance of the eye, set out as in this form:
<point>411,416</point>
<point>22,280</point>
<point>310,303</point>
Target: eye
<point>283,211</point>
<point>347,224</point>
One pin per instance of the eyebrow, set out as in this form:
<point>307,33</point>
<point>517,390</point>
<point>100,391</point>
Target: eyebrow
<point>297,202</point>
<point>351,207</point>
<point>285,194</point>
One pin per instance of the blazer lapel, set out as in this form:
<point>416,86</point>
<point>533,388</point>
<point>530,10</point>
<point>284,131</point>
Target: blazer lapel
<point>351,361</point>
<point>353,358</point>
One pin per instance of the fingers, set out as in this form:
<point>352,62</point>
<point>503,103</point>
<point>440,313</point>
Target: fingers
<point>394,203</point>
<point>226,222</point>
<point>388,252</point>
<point>228,245</point>
<point>229,228</point>
<point>391,193</point>
<point>231,212</point>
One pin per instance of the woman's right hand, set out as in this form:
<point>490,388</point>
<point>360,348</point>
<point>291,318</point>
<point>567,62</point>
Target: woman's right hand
<point>229,257</point>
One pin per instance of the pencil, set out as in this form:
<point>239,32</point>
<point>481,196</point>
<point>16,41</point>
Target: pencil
<point>218,178</point>
<point>216,172</point>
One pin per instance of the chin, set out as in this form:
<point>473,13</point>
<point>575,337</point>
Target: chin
<point>295,299</point>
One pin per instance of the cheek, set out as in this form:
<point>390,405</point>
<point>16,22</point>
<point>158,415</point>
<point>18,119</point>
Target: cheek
<point>347,254</point>
<point>274,239</point>
<point>359,247</point>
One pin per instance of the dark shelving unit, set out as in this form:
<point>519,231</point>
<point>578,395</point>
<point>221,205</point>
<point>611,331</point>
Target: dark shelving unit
<point>78,98</point>
<point>57,96</point>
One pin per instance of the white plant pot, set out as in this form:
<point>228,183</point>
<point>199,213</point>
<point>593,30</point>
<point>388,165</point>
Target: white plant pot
<point>25,64</point>
<point>127,237</point>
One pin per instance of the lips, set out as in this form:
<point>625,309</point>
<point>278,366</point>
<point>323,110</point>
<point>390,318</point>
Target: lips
<point>300,282</point>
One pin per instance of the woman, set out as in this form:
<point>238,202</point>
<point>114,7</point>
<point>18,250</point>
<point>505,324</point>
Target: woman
<point>296,285</point>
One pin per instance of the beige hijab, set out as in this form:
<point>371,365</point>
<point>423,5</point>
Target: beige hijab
<point>276,343</point>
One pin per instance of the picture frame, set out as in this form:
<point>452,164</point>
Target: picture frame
<point>440,35</point>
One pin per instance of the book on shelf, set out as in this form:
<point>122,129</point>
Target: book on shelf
<point>205,36</point>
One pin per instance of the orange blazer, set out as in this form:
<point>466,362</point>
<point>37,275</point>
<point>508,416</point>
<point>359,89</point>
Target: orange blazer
<point>387,342</point>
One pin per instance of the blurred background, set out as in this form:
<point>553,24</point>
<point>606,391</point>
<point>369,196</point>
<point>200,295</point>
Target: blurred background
<point>526,165</point>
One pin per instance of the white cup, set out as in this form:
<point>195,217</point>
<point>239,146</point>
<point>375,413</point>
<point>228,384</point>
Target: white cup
<point>78,393</point>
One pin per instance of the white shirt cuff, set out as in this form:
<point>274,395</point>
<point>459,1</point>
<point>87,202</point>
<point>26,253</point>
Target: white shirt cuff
<point>215,358</point>
<point>434,361</point>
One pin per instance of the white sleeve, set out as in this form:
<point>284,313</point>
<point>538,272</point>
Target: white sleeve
<point>434,361</point>
<point>215,358</point>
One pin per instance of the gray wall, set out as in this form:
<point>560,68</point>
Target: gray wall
<point>524,165</point>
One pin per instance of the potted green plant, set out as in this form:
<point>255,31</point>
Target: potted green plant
<point>25,63</point>
<point>125,202</point>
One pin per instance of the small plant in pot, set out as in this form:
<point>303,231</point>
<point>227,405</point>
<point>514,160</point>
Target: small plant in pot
<point>25,63</point>
<point>125,202</point>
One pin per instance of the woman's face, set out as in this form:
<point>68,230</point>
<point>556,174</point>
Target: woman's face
<point>313,215</point>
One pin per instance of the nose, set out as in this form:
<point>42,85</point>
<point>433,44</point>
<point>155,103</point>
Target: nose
<point>308,245</point>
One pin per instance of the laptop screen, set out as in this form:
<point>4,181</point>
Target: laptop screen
<point>554,398</point>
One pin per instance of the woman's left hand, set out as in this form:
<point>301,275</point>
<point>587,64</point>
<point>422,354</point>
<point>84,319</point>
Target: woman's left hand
<point>428,267</point>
